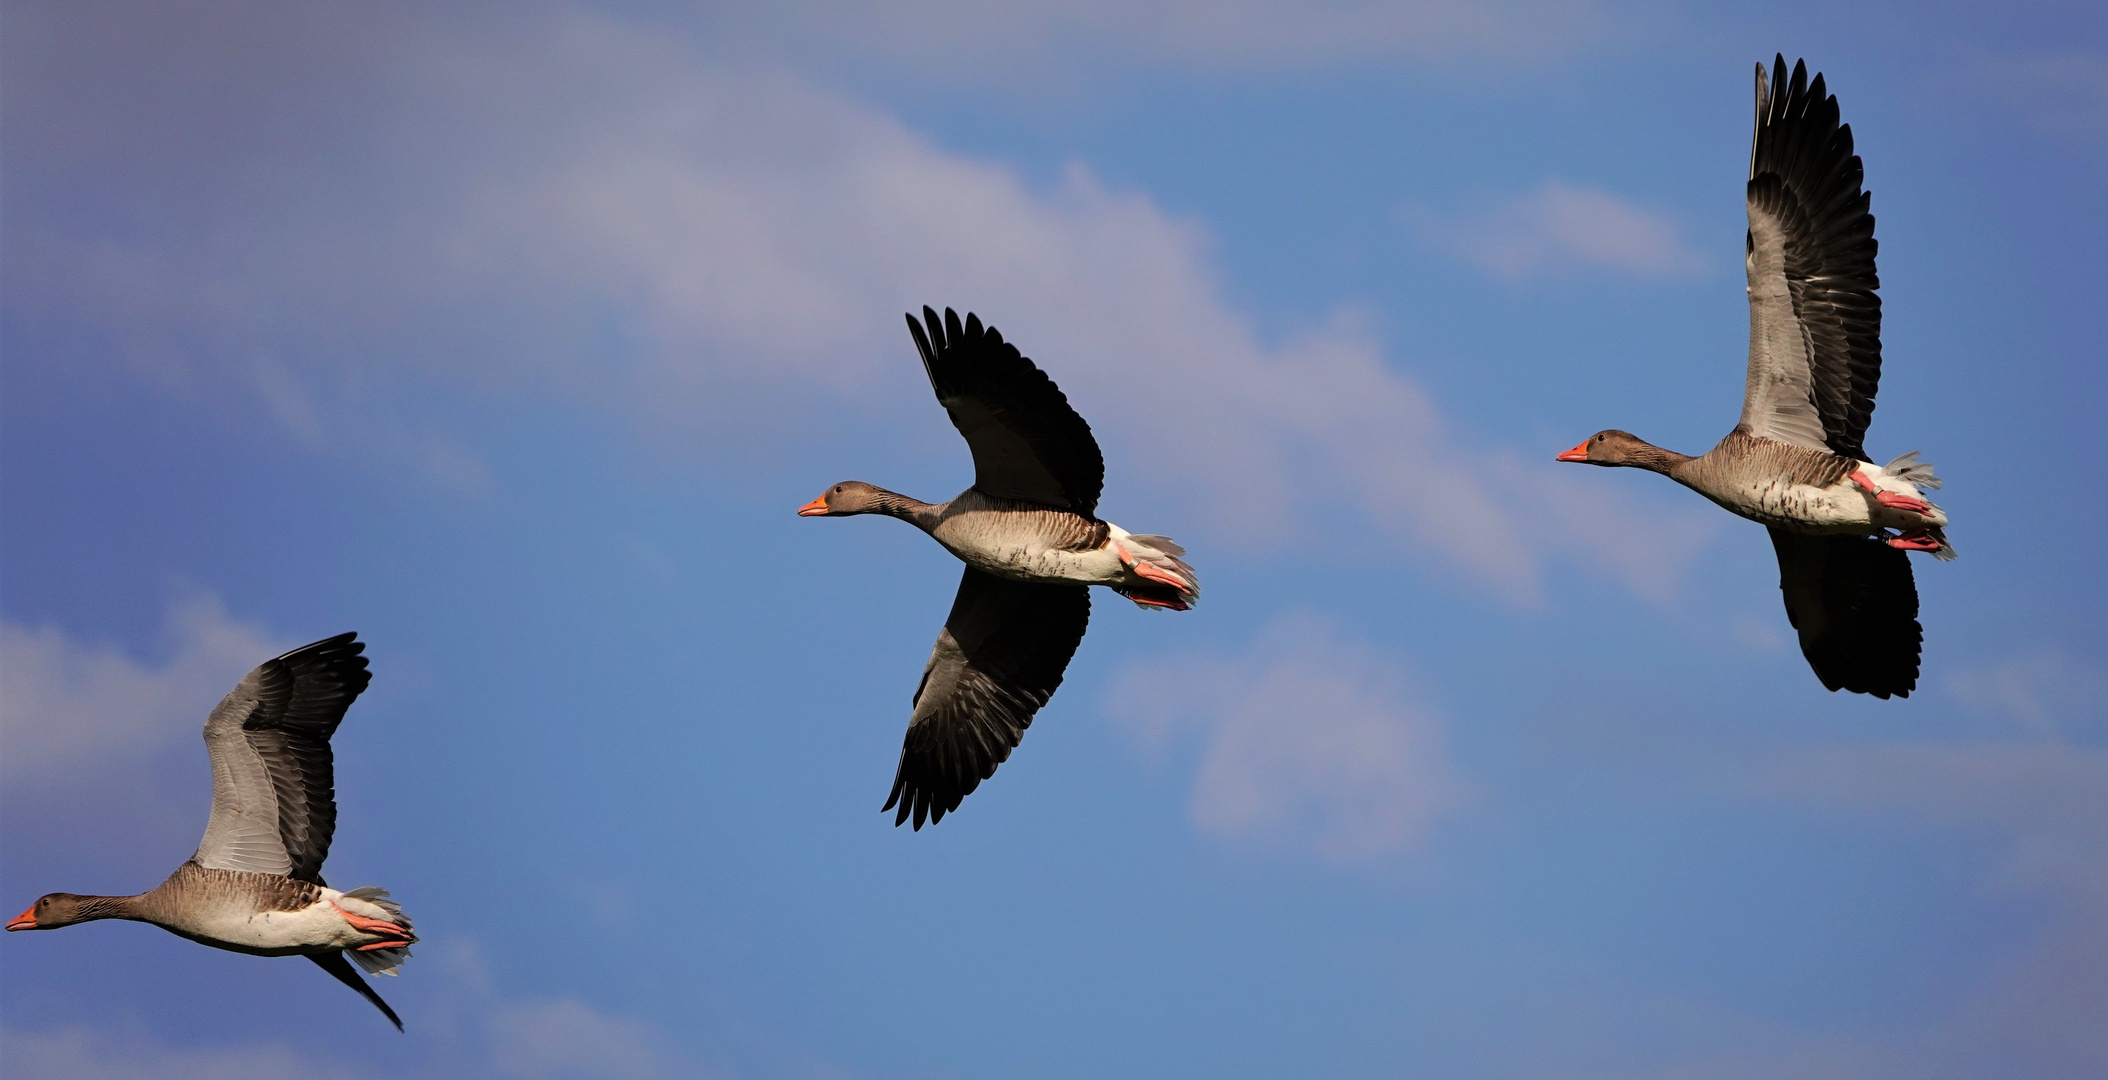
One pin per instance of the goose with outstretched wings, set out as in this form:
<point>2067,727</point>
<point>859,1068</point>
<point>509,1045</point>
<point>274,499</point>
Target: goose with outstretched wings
<point>255,884</point>
<point>1032,542</point>
<point>1840,524</point>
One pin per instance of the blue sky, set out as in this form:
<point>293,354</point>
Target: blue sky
<point>511,335</point>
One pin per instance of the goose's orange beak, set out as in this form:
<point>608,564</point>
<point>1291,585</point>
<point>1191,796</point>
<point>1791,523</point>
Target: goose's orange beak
<point>815,508</point>
<point>1578,453</point>
<point>25,921</point>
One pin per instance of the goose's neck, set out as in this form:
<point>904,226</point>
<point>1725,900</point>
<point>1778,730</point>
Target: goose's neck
<point>1646,455</point>
<point>94,908</point>
<point>920,514</point>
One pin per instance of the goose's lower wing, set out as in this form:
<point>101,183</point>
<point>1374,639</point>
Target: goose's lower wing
<point>999,658</point>
<point>1855,606</point>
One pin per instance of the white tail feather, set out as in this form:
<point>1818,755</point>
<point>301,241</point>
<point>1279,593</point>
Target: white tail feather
<point>380,961</point>
<point>1161,553</point>
<point>1910,470</point>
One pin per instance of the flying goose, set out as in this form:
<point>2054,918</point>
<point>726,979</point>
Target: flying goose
<point>1028,533</point>
<point>255,885</point>
<point>1840,524</point>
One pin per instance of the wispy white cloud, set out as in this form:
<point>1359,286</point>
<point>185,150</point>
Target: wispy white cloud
<point>82,1053</point>
<point>984,39</point>
<point>2047,692</point>
<point>1307,740</point>
<point>2033,1014</point>
<point>558,204</point>
<point>474,1032</point>
<point>566,1038</point>
<point>1561,227</point>
<point>66,706</point>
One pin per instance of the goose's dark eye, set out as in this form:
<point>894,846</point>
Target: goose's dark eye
<point>838,489</point>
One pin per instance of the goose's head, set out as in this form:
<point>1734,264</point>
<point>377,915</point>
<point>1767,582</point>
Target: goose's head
<point>843,499</point>
<point>1609,447</point>
<point>52,911</point>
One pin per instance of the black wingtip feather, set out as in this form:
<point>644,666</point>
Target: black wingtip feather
<point>1029,444</point>
<point>340,968</point>
<point>1804,170</point>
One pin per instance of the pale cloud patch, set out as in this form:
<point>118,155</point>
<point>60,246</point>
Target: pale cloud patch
<point>471,1031</point>
<point>555,204</point>
<point>983,39</point>
<point>2037,1013</point>
<point>79,1053</point>
<point>2047,692</point>
<point>1563,227</point>
<point>2063,93</point>
<point>1308,740</point>
<point>553,1040</point>
<point>66,705</point>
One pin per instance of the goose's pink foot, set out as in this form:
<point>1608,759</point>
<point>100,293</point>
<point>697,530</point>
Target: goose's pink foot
<point>1151,601</point>
<point>1120,552</point>
<point>1158,575</point>
<point>376,926</point>
<point>1914,540</point>
<point>1859,477</point>
<point>1901,502</point>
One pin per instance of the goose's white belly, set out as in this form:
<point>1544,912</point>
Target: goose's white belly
<point>1802,507</point>
<point>1842,507</point>
<point>1006,545</point>
<point>1035,561</point>
<point>317,926</point>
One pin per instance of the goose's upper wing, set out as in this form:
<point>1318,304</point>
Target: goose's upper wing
<point>1855,606</point>
<point>1814,321</point>
<point>1027,443</point>
<point>999,658</point>
<point>274,800</point>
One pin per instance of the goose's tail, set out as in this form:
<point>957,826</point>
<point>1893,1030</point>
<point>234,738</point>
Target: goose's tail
<point>1910,470</point>
<point>381,961</point>
<point>1157,576</point>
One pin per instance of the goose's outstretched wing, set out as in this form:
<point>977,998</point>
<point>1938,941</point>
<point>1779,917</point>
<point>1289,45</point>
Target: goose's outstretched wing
<point>999,658</point>
<point>1855,606</point>
<point>1814,320</point>
<point>1027,443</point>
<point>274,801</point>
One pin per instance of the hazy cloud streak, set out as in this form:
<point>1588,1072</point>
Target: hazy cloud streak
<point>67,705</point>
<point>1563,227</point>
<point>558,204</point>
<point>990,39</point>
<point>1307,740</point>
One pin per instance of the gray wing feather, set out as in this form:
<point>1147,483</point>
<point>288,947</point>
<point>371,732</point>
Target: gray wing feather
<point>999,658</point>
<point>1814,317</point>
<point>243,831</point>
<point>274,807</point>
